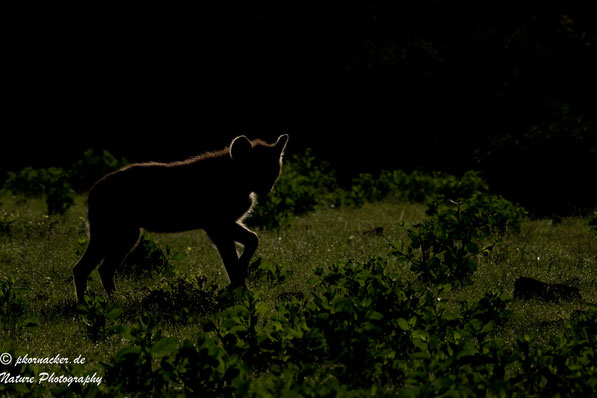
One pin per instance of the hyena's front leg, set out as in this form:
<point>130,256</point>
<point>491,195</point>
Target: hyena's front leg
<point>249,240</point>
<point>224,241</point>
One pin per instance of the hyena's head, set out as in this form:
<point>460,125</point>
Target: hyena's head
<point>259,162</point>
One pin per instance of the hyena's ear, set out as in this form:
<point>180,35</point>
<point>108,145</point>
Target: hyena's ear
<point>280,145</point>
<point>240,147</point>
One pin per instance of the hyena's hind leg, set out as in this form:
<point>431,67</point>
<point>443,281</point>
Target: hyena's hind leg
<point>121,243</point>
<point>94,254</point>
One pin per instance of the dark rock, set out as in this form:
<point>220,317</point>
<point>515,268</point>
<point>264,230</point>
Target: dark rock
<point>377,231</point>
<point>529,288</point>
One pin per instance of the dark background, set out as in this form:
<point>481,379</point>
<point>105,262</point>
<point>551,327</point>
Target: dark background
<point>501,87</point>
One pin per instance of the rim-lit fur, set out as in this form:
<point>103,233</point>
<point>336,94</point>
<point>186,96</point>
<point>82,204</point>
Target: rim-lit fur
<point>213,191</point>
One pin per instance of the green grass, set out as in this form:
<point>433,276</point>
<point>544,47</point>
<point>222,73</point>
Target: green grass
<point>38,251</point>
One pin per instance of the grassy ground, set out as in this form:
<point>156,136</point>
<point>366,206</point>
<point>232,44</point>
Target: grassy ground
<point>39,252</point>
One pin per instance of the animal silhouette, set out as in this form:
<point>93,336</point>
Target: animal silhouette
<point>213,191</point>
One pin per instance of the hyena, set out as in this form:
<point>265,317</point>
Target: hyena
<point>214,191</point>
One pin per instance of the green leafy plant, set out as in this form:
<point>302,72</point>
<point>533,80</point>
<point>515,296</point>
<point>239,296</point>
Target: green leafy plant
<point>59,195</point>
<point>364,315</point>
<point>80,246</point>
<point>147,258</point>
<point>492,307</point>
<point>57,185</point>
<point>132,370</point>
<point>6,220</point>
<point>593,223</point>
<point>444,247</point>
<point>362,331</point>
<point>99,316</point>
<point>12,302</point>
<point>94,165</point>
<point>52,184</point>
<point>416,186</point>
<point>21,369</point>
<point>182,299</point>
<point>565,365</point>
<point>304,184</point>
<point>236,325</point>
<point>29,181</point>
<point>270,273</point>
<point>206,368</point>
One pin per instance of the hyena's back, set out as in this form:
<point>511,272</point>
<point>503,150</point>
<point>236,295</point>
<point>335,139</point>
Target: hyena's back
<point>169,197</point>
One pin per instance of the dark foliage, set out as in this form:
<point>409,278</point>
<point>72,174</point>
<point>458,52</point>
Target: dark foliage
<point>57,185</point>
<point>369,84</point>
<point>147,259</point>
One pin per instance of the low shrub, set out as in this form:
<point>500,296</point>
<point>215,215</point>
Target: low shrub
<point>6,220</point>
<point>303,185</point>
<point>565,366</point>
<point>13,307</point>
<point>416,186</point>
<point>52,184</point>
<point>132,370</point>
<point>444,247</point>
<point>148,259</point>
<point>57,185</point>
<point>267,272</point>
<point>182,299</point>
<point>94,165</point>
<point>362,332</point>
<point>12,303</point>
<point>593,223</point>
<point>205,368</point>
<point>306,184</point>
<point>99,316</point>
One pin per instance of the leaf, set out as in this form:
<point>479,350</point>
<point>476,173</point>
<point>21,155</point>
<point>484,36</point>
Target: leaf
<point>443,382</point>
<point>129,350</point>
<point>82,309</point>
<point>164,347</point>
<point>262,308</point>
<point>403,324</point>
<point>488,327</point>
<point>445,288</point>
<point>179,256</point>
<point>313,281</point>
<point>476,324</point>
<point>115,313</point>
<point>468,350</point>
<point>419,338</point>
<point>293,333</point>
<point>376,316</point>
<point>126,333</point>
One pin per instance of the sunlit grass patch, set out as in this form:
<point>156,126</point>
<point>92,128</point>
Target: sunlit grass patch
<point>39,251</point>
